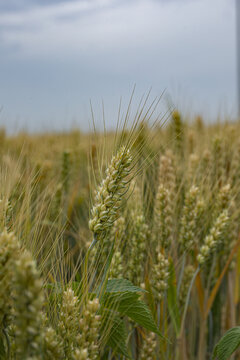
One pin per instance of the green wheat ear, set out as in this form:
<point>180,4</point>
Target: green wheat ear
<point>68,321</point>
<point>53,345</point>
<point>163,217</point>
<point>137,245</point>
<point>109,193</point>
<point>28,306</point>
<point>186,281</point>
<point>178,129</point>
<point>160,274</point>
<point>213,239</point>
<point>89,327</point>
<point>9,249</point>
<point>190,215</point>
<point>148,347</point>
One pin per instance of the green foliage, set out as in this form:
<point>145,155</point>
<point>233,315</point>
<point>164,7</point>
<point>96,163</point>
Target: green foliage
<point>117,335</point>
<point>121,297</point>
<point>127,303</point>
<point>46,203</point>
<point>229,343</point>
<point>121,285</point>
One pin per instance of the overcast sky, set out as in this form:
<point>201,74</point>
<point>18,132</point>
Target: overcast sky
<point>56,55</point>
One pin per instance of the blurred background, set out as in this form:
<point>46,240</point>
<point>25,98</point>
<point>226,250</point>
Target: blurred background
<point>56,56</point>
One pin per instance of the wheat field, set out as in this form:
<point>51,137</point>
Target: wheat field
<point>121,245</point>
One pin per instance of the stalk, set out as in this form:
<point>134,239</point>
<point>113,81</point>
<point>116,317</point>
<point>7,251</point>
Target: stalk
<point>180,341</point>
<point>202,340</point>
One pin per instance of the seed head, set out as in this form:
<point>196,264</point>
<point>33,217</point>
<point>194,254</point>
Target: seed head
<point>213,239</point>
<point>89,325</point>
<point>53,346</point>
<point>187,277</point>
<point>116,270</point>
<point>8,253</point>
<point>68,320</point>
<point>191,212</point>
<point>160,276</point>
<point>137,248</point>
<point>110,192</point>
<point>28,304</point>
<point>148,347</point>
<point>163,216</point>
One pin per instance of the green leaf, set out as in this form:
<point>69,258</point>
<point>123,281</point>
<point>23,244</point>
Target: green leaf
<point>228,344</point>
<point>128,304</point>
<point>116,330</point>
<point>140,313</point>
<point>172,299</point>
<point>117,301</point>
<point>121,285</point>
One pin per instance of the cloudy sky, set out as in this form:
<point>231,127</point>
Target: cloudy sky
<point>57,55</point>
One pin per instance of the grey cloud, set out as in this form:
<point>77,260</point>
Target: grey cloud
<point>49,74</point>
<point>16,5</point>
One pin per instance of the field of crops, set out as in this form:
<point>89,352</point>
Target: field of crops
<point>121,245</point>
